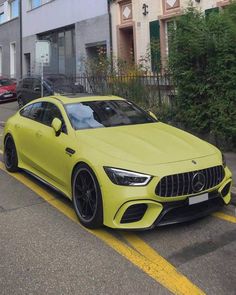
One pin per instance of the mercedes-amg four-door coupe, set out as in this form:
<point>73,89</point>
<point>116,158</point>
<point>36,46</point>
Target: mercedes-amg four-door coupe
<point>121,167</point>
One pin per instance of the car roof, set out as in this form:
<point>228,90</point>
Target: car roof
<point>81,97</point>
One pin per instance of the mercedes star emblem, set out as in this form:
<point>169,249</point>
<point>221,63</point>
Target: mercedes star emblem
<point>198,182</point>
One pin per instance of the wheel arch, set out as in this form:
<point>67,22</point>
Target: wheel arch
<point>6,135</point>
<point>81,162</point>
<point>74,170</point>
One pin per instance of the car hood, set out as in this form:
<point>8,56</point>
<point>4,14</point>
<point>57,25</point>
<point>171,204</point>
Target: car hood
<point>7,88</point>
<point>148,144</point>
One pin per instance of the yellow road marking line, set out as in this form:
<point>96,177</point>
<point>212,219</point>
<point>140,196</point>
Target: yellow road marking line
<point>160,273</point>
<point>1,152</point>
<point>167,273</point>
<point>224,216</point>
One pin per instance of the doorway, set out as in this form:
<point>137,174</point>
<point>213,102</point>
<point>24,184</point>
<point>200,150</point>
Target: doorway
<point>27,64</point>
<point>126,44</point>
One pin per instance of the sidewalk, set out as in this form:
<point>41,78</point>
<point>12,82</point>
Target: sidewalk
<point>231,163</point>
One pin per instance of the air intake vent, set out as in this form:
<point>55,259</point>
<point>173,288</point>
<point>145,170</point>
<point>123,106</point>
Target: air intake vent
<point>134,213</point>
<point>190,182</point>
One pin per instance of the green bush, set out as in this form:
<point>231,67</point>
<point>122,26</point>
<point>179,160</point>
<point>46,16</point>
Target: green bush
<point>203,64</point>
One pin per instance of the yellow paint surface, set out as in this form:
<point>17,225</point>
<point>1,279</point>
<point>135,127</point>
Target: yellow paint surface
<point>224,216</point>
<point>166,272</point>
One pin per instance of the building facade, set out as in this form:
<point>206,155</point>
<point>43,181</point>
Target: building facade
<point>74,28</point>
<point>137,25</point>
<point>10,62</point>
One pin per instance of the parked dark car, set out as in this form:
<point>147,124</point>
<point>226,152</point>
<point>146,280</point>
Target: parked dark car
<point>29,88</point>
<point>7,89</point>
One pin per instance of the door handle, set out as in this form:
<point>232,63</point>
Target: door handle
<point>39,134</point>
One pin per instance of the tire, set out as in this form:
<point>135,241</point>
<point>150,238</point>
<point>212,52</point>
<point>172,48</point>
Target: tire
<point>87,197</point>
<point>10,155</point>
<point>21,102</point>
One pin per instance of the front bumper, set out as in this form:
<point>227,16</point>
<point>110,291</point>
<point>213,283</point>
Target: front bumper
<point>147,211</point>
<point>177,212</point>
<point>8,96</point>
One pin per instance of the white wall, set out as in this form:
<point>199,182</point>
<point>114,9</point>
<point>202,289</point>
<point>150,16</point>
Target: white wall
<point>202,5</point>
<point>59,13</point>
<point>0,61</point>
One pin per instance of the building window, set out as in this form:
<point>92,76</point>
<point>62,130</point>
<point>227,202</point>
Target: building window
<point>13,60</point>
<point>211,11</point>
<point>35,3</point>
<point>0,61</point>
<point>63,59</point>
<point>2,17</point>
<point>170,25</point>
<point>14,8</point>
<point>154,28</point>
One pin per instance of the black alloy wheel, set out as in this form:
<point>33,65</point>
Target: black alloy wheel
<point>87,198</point>
<point>10,154</point>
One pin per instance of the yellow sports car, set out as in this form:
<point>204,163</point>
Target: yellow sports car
<point>120,166</point>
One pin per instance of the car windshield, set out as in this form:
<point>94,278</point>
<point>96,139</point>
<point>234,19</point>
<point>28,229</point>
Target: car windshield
<point>100,114</point>
<point>5,82</point>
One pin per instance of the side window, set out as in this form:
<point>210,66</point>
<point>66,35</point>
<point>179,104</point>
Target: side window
<point>36,112</point>
<point>28,83</point>
<point>37,85</point>
<point>26,111</point>
<point>51,112</point>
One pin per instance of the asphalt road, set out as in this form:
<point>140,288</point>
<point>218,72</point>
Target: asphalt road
<point>44,250</point>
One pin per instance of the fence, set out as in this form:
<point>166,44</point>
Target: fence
<point>145,90</point>
<point>148,91</point>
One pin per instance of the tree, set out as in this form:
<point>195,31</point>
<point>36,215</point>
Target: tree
<point>202,60</point>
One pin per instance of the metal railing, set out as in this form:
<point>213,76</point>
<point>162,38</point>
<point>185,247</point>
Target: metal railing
<point>147,90</point>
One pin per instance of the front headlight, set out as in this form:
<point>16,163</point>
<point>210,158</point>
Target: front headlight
<point>127,178</point>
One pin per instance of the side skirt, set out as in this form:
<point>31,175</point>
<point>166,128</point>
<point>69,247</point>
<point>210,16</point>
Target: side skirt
<point>46,183</point>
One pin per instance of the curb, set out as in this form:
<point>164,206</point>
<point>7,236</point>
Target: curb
<point>233,194</point>
<point>2,124</point>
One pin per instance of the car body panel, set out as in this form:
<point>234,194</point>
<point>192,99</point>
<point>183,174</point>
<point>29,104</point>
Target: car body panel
<point>154,148</point>
<point>151,150</point>
<point>7,92</point>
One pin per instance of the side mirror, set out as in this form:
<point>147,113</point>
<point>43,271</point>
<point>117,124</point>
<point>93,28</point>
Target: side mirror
<point>56,125</point>
<point>37,89</point>
<point>153,115</point>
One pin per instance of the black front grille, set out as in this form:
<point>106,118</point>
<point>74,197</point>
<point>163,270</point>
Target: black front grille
<point>183,184</point>
<point>134,213</point>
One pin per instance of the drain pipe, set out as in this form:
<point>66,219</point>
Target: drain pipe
<point>110,32</point>
<point>21,40</point>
